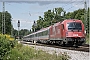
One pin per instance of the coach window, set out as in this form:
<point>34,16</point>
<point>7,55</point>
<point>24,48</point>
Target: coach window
<point>46,32</point>
<point>40,33</point>
<point>43,33</point>
<point>35,35</point>
<point>31,36</point>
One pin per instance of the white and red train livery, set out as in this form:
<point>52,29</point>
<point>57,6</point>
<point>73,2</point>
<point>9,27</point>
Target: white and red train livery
<point>69,31</point>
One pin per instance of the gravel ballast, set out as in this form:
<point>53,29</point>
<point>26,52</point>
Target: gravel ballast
<point>74,55</point>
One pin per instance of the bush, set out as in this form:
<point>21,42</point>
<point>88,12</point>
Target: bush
<point>5,46</point>
<point>20,52</point>
<point>11,50</point>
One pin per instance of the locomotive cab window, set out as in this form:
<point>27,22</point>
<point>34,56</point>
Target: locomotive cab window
<point>74,26</point>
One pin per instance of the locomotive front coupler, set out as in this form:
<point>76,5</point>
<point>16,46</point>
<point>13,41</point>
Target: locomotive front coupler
<point>75,43</point>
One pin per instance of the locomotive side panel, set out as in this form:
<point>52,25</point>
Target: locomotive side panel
<point>56,32</point>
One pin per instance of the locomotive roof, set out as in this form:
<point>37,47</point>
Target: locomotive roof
<point>70,20</point>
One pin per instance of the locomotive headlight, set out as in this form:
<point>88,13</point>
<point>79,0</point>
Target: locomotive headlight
<point>82,39</point>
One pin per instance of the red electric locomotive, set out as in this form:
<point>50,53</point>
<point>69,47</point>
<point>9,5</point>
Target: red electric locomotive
<point>69,31</point>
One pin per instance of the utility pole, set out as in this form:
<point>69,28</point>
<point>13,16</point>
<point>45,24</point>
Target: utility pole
<point>85,6</point>
<point>3,19</point>
<point>34,24</point>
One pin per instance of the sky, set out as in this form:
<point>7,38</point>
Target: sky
<point>28,10</point>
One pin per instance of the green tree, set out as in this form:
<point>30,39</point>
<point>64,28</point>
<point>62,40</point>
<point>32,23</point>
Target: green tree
<point>24,32</point>
<point>59,11</point>
<point>40,23</point>
<point>50,17</point>
<point>58,14</point>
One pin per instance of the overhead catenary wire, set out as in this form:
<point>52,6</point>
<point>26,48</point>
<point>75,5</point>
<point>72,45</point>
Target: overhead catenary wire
<point>70,3</point>
<point>73,6</point>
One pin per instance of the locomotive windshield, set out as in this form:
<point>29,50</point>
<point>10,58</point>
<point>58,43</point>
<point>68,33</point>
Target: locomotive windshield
<point>74,26</point>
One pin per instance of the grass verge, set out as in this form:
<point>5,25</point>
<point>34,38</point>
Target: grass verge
<point>21,52</point>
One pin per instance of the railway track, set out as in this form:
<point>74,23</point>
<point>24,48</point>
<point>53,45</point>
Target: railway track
<point>84,48</point>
